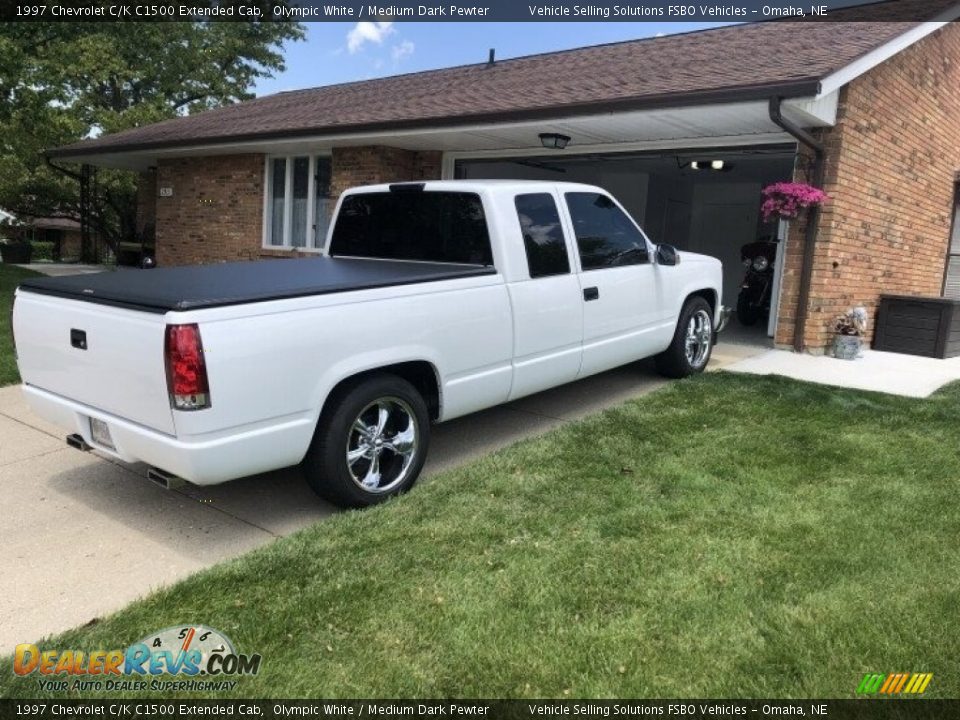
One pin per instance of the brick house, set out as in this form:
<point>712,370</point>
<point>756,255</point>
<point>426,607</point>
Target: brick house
<point>871,109</point>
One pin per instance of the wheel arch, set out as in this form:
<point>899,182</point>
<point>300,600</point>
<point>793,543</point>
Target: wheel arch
<point>422,374</point>
<point>708,294</point>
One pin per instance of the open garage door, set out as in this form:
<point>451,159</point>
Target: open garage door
<point>705,201</point>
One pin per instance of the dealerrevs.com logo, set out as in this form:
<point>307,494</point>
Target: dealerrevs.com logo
<point>203,659</point>
<point>894,683</point>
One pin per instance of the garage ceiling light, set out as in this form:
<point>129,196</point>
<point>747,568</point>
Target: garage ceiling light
<point>554,141</point>
<point>718,165</point>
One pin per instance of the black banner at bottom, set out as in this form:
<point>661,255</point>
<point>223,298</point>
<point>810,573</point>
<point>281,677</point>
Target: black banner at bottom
<point>323,709</point>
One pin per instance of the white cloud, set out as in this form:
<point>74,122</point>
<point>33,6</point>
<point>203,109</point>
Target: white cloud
<point>402,50</point>
<point>364,32</point>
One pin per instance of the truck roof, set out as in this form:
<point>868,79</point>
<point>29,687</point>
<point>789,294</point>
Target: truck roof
<point>477,186</point>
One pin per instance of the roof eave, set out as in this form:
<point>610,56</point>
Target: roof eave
<point>805,87</point>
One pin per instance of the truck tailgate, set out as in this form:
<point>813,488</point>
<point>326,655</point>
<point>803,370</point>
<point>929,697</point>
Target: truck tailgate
<point>121,370</point>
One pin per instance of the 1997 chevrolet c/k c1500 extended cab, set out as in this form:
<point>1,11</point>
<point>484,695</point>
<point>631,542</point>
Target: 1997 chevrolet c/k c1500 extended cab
<point>431,300</point>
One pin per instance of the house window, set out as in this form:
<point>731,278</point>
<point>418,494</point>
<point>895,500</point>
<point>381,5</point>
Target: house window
<point>299,204</point>
<point>951,283</point>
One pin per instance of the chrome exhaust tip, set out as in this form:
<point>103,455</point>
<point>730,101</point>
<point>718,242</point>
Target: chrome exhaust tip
<point>76,441</point>
<point>167,481</point>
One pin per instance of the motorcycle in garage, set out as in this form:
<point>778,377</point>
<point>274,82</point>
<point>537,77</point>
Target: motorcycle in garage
<point>753,302</point>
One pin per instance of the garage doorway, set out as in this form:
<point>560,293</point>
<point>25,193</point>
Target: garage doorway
<point>705,201</point>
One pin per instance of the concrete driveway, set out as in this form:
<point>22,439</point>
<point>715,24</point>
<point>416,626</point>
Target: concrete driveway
<point>82,536</point>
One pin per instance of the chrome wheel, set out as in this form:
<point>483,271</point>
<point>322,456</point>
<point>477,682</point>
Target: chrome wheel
<point>382,445</point>
<point>698,339</point>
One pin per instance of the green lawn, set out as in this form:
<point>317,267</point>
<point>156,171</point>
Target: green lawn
<point>725,536</point>
<point>10,276</point>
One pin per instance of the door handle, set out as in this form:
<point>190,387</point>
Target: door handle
<point>591,293</point>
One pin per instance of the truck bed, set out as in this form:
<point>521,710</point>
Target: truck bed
<point>205,286</point>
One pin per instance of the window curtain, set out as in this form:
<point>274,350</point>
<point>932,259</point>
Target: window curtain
<point>277,197</point>
<point>298,214</point>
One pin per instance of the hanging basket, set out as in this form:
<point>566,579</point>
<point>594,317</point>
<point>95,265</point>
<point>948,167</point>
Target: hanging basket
<point>785,200</point>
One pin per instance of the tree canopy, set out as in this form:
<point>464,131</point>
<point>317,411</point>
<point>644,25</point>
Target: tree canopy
<point>64,81</point>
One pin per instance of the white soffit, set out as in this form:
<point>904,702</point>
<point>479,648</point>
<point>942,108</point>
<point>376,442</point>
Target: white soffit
<point>722,123</point>
<point>813,112</point>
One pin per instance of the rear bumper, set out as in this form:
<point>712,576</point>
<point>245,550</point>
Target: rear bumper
<point>204,460</point>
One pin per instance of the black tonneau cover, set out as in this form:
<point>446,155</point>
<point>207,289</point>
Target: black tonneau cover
<point>205,286</point>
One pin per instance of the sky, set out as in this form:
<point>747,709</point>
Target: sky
<point>342,52</point>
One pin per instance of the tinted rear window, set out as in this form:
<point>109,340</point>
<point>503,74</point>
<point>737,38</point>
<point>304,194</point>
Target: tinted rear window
<point>542,235</point>
<point>408,225</point>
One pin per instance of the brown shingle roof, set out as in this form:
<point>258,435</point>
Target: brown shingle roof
<point>753,60</point>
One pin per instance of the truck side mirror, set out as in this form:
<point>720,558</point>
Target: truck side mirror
<point>667,255</point>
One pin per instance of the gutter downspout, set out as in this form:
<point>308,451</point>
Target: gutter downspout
<point>813,217</point>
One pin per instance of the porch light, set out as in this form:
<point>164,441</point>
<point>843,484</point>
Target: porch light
<point>554,141</point>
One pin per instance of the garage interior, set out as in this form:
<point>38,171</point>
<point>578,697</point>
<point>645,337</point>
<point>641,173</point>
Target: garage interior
<point>705,201</point>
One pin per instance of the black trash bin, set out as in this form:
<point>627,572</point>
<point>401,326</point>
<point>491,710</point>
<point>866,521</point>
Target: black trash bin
<point>928,326</point>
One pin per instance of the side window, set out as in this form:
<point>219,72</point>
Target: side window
<point>605,235</point>
<point>542,235</point>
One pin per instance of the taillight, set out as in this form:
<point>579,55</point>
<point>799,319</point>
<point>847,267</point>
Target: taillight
<point>186,370</point>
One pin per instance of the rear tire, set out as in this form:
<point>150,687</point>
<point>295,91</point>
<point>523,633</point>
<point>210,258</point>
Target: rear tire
<point>370,443</point>
<point>692,343</point>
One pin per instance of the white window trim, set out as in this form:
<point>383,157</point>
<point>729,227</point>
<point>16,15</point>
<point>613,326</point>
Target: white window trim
<point>315,243</point>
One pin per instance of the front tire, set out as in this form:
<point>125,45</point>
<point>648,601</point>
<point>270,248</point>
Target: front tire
<point>692,343</point>
<point>370,443</point>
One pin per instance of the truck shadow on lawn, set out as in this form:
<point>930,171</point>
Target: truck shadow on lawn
<point>128,536</point>
<point>279,503</point>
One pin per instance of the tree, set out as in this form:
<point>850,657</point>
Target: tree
<point>61,82</point>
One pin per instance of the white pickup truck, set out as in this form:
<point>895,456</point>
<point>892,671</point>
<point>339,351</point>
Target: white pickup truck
<point>431,300</point>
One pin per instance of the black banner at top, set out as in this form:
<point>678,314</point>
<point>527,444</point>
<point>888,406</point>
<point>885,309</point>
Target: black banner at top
<point>476,10</point>
<point>689,709</point>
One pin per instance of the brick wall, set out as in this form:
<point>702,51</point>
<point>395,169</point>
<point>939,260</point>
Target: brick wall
<point>70,244</point>
<point>215,213</point>
<point>372,164</point>
<point>891,163</point>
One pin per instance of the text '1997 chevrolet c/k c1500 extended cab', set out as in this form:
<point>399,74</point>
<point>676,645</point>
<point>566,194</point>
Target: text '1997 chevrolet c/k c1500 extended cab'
<point>431,300</point>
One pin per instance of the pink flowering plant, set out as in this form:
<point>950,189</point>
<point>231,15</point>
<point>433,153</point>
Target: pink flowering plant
<point>786,200</point>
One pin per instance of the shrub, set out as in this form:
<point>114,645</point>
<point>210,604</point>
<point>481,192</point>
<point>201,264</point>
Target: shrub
<point>42,251</point>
